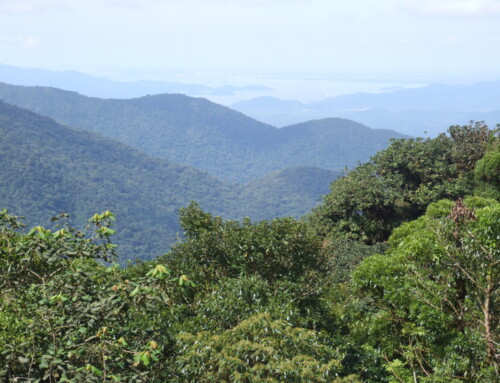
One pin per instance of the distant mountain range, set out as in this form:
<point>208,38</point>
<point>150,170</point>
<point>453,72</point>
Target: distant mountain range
<point>428,110</point>
<point>101,87</point>
<point>124,154</point>
<point>205,135</point>
<point>425,111</point>
<point>47,168</point>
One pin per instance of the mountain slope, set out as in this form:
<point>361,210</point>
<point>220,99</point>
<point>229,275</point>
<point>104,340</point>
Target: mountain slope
<point>47,168</point>
<point>331,143</point>
<point>294,189</point>
<point>199,133</point>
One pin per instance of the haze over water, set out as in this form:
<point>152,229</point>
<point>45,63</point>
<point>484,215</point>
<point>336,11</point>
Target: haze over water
<point>304,87</point>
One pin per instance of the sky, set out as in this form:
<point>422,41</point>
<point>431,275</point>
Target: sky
<point>413,41</point>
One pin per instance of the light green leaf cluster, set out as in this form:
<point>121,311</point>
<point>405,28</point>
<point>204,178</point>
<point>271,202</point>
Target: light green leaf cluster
<point>259,349</point>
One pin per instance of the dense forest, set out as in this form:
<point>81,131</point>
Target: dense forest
<point>393,278</point>
<point>199,133</point>
<point>48,168</point>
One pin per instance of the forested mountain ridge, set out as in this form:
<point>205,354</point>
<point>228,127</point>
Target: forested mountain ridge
<point>48,168</point>
<point>199,133</point>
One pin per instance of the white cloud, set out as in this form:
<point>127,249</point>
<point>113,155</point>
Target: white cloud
<point>19,41</point>
<point>454,8</point>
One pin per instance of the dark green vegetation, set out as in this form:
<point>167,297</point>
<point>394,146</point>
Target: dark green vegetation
<point>288,192</point>
<point>394,278</point>
<point>207,136</point>
<point>399,183</point>
<point>48,168</point>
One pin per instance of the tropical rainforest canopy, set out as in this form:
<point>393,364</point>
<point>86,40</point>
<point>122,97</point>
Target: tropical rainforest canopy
<point>48,168</point>
<point>393,278</point>
<point>199,133</point>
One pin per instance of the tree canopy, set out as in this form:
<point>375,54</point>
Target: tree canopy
<point>401,181</point>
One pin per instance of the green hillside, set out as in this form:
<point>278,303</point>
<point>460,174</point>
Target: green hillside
<point>199,133</point>
<point>48,168</point>
<point>291,189</point>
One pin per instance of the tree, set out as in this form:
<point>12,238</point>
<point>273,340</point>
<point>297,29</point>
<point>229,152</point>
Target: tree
<point>400,182</point>
<point>66,316</point>
<point>487,169</point>
<point>434,294</point>
<point>259,349</point>
<point>280,249</point>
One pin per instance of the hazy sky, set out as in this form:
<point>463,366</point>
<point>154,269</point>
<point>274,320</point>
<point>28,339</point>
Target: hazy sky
<point>426,38</point>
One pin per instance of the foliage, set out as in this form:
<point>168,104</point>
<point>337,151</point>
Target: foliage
<point>273,250</point>
<point>283,256</point>
<point>400,182</point>
<point>342,255</point>
<point>68,317</point>
<point>259,349</point>
<point>434,295</point>
<point>79,320</point>
<point>487,170</point>
<point>233,300</point>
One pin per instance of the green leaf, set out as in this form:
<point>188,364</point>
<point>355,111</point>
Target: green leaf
<point>135,291</point>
